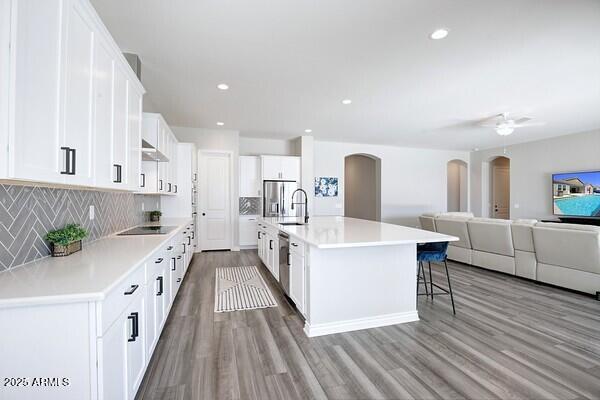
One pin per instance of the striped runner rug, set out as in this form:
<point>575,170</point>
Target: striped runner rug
<point>241,288</point>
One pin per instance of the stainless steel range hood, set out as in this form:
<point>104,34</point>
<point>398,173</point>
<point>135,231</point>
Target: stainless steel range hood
<point>150,153</point>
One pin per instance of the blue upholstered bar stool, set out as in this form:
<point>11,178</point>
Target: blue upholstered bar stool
<point>433,252</point>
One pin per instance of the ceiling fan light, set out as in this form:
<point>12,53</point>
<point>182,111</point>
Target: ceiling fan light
<point>504,130</point>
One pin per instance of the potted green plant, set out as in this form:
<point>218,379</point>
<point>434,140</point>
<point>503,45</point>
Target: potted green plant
<point>67,240</point>
<point>155,216</point>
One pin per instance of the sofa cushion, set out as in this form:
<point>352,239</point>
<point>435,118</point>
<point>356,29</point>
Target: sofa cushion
<point>491,236</point>
<point>522,232</point>
<point>454,226</point>
<point>568,245</point>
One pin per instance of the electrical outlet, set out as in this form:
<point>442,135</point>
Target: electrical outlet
<point>92,212</point>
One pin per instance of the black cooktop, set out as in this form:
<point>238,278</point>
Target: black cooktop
<point>148,230</point>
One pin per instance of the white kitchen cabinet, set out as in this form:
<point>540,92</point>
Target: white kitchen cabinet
<point>134,138</point>
<point>113,367</point>
<point>248,230</point>
<point>280,168</point>
<point>160,177</point>
<point>297,276</point>
<point>4,81</point>
<point>250,180</point>
<point>136,346</point>
<point>120,124</point>
<point>59,86</point>
<point>104,71</point>
<point>77,95</point>
<point>34,134</point>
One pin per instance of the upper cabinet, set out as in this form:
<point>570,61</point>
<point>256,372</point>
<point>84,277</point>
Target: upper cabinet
<point>159,167</point>
<point>250,182</point>
<point>75,102</point>
<point>280,168</point>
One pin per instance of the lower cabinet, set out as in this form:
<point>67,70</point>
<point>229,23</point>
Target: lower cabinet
<point>297,279</point>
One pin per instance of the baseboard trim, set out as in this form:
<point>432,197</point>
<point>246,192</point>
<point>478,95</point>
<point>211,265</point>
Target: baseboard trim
<point>360,323</point>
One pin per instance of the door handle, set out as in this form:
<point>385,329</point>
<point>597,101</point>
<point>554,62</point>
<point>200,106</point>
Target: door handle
<point>160,187</point>
<point>73,161</point>
<point>160,285</point>
<point>270,245</point>
<point>118,178</point>
<point>288,258</point>
<point>174,267</point>
<point>131,290</point>
<point>143,180</point>
<point>67,160</point>
<point>135,326</point>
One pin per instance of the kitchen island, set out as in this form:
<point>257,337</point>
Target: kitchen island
<point>346,274</point>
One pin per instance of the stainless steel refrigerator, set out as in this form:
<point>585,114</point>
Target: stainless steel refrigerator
<point>277,199</point>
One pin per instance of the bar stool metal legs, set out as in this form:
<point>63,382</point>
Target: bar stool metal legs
<point>420,271</point>
<point>444,291</point>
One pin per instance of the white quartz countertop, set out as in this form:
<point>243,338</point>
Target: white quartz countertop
<point>86,275</point>
<point>338,232</point>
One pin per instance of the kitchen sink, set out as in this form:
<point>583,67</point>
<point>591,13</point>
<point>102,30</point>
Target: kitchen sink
<point>291,223</point>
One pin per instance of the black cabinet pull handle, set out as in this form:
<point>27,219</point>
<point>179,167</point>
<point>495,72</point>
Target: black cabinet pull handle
<point>288,259</point>
<point>175,188</point>
<point>179,257</point>
<point>161,185</point>
<point>118,178</point>
<point>259,235</point>
<point>131,290</point>
<point>294,244</point>
<point>183,248</point>
<point>193,234</point>
<point>67,151</point>
<point>73,161</point>
<point>189,240</point>
<point>195,176</point>
<point>169,187</point>
<point>143,180</point>
<point>170,248</point>
<point>160,285</point>
<point>174,267</point>
<point>132,317</point>
<point>159,260</point>
<point>270,245</point>
<point>178,280</point>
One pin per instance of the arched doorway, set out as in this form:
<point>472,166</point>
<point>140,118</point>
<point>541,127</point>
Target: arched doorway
<point>362,187</point>
<point>457,186</point>
<point>500,188</point>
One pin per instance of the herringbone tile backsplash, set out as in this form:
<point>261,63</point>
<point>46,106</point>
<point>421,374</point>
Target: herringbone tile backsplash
<point>27,213</point>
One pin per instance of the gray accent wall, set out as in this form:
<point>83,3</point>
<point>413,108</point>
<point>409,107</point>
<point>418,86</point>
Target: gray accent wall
<point>27,213</point>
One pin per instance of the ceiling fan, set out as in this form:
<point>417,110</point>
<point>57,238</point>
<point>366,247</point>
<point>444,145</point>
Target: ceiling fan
<point>504,126</point>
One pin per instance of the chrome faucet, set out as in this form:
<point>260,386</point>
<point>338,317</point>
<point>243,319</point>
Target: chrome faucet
<point>305,204</point>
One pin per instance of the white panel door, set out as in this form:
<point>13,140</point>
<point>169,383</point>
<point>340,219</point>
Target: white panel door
<point>215,208</point>
<point>290,168</point>
<point>501,192</point>
<point>134,134</point>
<point>77,97</point>
<point>113,346</point>
<point>297,280</point>
<point>136,347</point>
<point>34,135</point>
<point>120,125</point>
<point>104,65</point>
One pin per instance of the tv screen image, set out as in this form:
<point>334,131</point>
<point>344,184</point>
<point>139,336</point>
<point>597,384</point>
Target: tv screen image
<point>576,194</point>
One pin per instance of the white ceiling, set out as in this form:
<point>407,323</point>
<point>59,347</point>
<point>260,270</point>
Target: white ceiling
<point>289,64</point>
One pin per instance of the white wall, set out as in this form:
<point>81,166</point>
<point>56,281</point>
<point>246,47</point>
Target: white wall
<point>257,146</point>
<point>222,140</point>
<point>531,168</point>
<point>413,181</point>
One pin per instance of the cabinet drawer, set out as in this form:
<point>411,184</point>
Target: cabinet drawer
<point>119,298</point>
<point>296,246</point>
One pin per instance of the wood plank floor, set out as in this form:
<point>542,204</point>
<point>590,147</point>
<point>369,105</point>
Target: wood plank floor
<point>510,339</point>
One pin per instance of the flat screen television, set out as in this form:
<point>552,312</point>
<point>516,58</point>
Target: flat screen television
<point>576,194</point>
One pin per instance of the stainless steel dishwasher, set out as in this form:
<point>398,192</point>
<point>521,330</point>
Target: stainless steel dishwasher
<point>284,262</point>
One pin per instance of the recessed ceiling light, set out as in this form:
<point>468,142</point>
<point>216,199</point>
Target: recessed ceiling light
<point>439,34</point>
<point>222,86</point>
<point>346,101</point>
<point>220,123</point>
<point>308,130</point>
<point>476,149</point>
